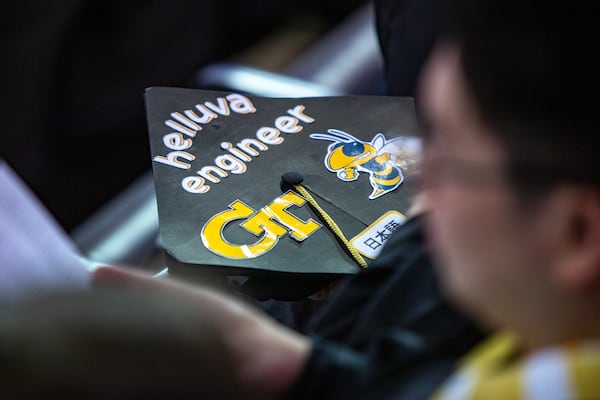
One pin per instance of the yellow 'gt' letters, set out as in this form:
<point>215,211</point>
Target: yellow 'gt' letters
<point>272,222</point>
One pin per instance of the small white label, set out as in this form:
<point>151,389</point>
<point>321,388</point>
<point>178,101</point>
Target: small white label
<point>370,241</point>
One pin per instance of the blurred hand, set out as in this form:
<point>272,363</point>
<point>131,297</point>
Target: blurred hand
<point>270,356</point>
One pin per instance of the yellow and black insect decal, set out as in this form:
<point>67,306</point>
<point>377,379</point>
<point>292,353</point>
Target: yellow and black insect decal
<point>348,156</point>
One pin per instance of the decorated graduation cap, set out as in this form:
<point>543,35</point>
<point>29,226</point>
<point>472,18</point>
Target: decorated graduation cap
<point>298,185</point>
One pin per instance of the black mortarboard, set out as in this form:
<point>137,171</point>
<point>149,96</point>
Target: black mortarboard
<point>227,168</point>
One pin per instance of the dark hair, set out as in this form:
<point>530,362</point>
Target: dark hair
<point>530,66</point>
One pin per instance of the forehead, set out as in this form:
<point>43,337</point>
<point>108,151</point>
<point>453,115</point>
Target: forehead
<point>449,109</point>
<point>442,80</point>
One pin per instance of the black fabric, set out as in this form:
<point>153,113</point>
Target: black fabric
<point>388,332</point>
<point>406,32</point>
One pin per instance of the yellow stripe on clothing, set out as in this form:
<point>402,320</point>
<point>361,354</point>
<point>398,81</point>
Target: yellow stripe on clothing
<point>481,361</point>
<point>502,386</point>
<point>584,359</point>
<point>494,372</point>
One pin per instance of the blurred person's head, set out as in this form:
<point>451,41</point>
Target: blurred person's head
<point>125,345</point>
<point>512,164</point>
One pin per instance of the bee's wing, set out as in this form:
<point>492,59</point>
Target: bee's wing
<point>378,142</point>
<point>394,146</point>
<point>403,150</point>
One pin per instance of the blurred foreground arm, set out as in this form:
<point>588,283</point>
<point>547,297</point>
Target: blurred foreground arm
<point>268,356</point>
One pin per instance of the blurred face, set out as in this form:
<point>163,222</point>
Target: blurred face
<point>487,249</point>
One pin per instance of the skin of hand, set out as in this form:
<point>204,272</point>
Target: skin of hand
<point>270,356</point>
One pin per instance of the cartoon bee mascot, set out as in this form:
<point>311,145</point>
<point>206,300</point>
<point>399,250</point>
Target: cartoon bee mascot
<point>347,157</point>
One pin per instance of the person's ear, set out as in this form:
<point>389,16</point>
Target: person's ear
<point>578,265</point>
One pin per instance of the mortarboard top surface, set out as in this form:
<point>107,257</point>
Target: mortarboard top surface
<point>218,158</point>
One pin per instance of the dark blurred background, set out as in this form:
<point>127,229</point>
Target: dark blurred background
<point>73,73</point>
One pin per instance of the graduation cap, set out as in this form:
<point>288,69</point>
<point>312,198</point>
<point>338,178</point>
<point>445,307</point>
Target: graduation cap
<point>305,186</point>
